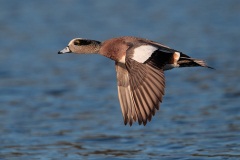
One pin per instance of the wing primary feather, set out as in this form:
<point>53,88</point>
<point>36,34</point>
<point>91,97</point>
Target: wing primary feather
<point>138,114</point>
<point>123,106</point>
<point>132,105</point>
<point>156,87</point>
<point>141,106</point>
<point>145,103</point>
<point>149,99</point>
<point>158,80</point>
<point>154,91</point>
<point>140,109</point>
<point>159,73</point>
<point>141,94</point>
<point>128,106</point>
<point>149,96</point>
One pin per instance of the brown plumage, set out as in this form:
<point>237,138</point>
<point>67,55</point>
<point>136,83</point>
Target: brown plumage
<point>140,66</point>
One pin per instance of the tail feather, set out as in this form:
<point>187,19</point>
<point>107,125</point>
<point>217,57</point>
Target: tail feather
<point>191,62</point>
<point>202,63</point>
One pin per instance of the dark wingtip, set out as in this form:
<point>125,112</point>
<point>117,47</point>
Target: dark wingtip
<point>149,118</point>
<point>144,123</point>
<point>125,121</point>
<point>130,123</point>
<point>139,122</point>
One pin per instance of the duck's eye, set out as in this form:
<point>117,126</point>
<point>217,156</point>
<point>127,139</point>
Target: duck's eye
<point>77,42</point>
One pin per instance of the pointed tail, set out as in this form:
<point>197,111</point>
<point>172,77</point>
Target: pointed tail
<point>186,61</point>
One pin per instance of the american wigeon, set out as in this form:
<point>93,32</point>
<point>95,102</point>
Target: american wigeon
<point>140,66</point>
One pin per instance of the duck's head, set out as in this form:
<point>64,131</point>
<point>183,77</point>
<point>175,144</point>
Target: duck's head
<point>80,46</point>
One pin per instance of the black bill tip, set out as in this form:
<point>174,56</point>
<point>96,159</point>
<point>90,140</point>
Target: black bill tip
<point>65,50</point>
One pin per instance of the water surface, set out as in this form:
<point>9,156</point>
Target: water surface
<point>66,106</point>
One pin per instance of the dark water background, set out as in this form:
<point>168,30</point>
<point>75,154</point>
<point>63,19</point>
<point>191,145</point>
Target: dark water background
<point>66,107</point>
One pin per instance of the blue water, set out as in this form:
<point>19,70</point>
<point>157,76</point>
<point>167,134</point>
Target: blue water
<point>66,106</point>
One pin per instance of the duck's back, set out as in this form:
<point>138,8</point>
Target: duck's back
<point>116,48</point>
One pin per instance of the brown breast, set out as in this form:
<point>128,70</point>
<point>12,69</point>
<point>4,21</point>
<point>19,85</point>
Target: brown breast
<point>116,48</point>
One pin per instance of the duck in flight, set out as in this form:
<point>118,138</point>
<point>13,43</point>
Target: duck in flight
<point>140,66</point>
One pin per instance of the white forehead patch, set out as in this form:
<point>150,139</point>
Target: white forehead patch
<point>73,40</point>
<point>142,53</point>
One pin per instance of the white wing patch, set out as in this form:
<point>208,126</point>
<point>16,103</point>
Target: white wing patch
<point>142,53</point>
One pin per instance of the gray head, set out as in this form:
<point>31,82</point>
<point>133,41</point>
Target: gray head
<point>81,46</point>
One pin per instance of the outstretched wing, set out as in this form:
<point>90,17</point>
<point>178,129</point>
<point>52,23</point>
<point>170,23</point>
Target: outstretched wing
<point>125,96</point>
<point>140,84</point>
